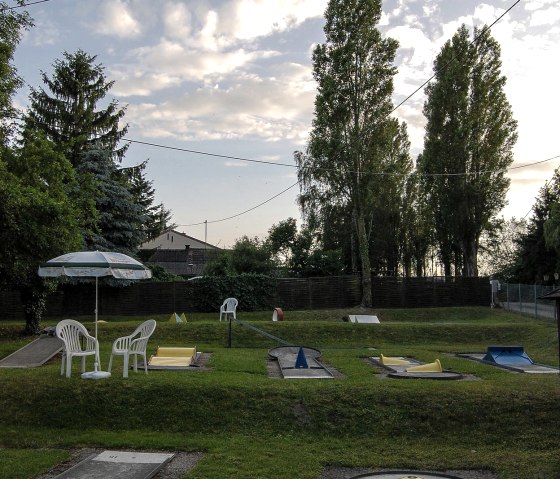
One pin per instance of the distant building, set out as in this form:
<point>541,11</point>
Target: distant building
<point>179,253</point>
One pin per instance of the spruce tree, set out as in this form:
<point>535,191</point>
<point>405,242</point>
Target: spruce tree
<point>67,110</point>
<point>157,218</point>
<point>119,221</point>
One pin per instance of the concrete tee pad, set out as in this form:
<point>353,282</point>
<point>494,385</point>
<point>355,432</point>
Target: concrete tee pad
<point>118,464</point>
<point>363,318</point>
<point>287,357</point>
<point>404,475</point>
<point>399,371</point>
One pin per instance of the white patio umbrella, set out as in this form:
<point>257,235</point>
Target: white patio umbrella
<point>94,264</point>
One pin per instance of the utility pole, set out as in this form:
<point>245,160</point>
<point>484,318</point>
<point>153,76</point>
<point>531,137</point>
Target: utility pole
<point>205,239</point>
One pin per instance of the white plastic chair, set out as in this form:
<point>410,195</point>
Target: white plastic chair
<point>133,345</point>
<point>77,342</point>
<point>229,307</point>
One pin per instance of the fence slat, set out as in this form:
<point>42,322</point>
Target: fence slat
<point>290,294</point>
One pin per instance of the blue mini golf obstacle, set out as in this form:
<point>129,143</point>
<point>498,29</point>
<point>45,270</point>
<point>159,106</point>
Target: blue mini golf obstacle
<point>301,362</point>
<point>507,356</point>
<point>512,358</point>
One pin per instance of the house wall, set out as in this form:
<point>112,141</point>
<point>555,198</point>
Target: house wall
<point>175,240</point>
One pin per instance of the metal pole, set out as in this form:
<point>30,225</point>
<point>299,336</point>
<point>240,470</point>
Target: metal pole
<point>96,305</point>
<point>205,239</point>
<point>535,296</point>
<point>520,305</point>
<point>229,330</point>
<point>557,302</point>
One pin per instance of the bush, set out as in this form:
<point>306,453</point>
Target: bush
<point>254,291</point>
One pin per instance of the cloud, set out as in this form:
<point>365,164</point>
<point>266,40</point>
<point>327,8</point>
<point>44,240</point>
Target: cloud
<point>139,83</point>
<point>251,19</point>
<point>181,64</point>
<point>117,19</point>
<point>44,33</point>
<point>236,22</point>
<point>269,109</point>
<point>549,16</point>
<point>537,4</point>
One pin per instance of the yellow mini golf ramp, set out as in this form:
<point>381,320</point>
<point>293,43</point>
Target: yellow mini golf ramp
<point>394,361</point>
<point>409,368</point>
<point>173,358</point>
<point>434,367</point>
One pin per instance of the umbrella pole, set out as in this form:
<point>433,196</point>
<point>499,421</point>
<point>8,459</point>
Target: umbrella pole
<point>96,303</point>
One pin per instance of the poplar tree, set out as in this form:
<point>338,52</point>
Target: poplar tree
<point>349,140</point>
<point>468,145</point>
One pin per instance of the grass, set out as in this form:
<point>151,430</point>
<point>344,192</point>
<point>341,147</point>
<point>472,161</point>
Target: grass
<point>249,425</point>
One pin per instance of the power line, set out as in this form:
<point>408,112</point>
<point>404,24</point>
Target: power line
<point>206,153</point>
<point>381,173</point>
<point>246,211</point>
<point>28,4</point>
<point>484,30</point>
<point>534,163</point>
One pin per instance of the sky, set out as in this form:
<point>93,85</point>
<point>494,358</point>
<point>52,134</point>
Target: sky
<point>220,93</point>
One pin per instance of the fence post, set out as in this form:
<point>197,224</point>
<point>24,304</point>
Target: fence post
<point>535,295</point>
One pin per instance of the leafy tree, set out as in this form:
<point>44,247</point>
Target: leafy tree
<point>281,238</point>
<point>470,134</point>
<point>219,265</point>
<point>67,110</point>
<point>349,139</point>
<point>12,25</point>
<point>537,255</point>
<point>499,248</point>
<point>308,259</point>
<point>37,220</point>
<point>552,228</point>
<point>250,255</point>
<point>301,253</point>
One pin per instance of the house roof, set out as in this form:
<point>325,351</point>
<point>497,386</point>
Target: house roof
<point>173,239</point>
<point>554,294</point>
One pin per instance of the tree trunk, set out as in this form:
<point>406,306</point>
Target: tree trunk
<point>470,253</point>
<point>33,299</point>
<point>419,268</point>
<point>363,246</point>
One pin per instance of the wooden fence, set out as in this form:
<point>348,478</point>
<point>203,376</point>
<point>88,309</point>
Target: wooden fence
<point>289,294</point>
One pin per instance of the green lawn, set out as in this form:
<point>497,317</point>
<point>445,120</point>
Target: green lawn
<point>251,426</point>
